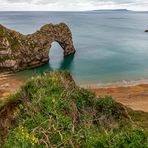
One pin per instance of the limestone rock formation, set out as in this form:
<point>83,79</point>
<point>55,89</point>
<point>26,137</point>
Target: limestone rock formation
<point>18,51</point>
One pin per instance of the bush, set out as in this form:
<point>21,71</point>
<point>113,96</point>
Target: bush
<point>106,105</point>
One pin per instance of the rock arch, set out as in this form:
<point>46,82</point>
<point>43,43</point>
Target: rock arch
<point>18,51</point>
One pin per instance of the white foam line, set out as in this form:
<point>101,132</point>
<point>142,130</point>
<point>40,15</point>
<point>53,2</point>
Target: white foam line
<point>123,83</point>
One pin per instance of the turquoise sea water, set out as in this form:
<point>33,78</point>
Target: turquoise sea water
<point>111,46</point>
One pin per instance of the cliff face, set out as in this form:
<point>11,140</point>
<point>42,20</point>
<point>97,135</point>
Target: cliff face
<point>18,52</point>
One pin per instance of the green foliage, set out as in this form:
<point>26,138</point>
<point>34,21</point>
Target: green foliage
<point>83,98</point>
<point>139,117</point>
<point>106,105</point>
<point>132,138</point>
<point>54,112</point>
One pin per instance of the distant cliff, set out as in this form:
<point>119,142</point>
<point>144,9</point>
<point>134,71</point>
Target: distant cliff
<point>18,52</point>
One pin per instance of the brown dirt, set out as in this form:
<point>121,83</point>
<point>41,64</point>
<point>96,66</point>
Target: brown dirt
<point>135,97</point>
<point>9,84</point>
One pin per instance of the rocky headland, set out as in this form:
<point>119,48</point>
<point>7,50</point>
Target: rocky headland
<point>18,51</point>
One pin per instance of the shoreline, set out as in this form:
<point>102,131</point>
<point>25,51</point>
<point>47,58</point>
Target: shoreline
<point>133,94</point>
<point>114,84</point>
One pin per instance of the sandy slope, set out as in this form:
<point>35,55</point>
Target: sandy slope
<point>135,97</point>
<point>9,84</point>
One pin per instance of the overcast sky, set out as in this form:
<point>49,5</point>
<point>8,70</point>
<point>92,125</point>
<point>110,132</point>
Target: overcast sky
<point>72,5</point>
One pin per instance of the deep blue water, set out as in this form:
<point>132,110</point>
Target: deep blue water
<point>110,46</point>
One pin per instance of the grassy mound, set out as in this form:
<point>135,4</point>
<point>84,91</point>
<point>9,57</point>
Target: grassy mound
<point>51,111</point>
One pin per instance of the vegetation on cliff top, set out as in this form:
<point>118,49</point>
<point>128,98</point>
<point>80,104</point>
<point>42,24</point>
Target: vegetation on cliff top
<point>51,111</point>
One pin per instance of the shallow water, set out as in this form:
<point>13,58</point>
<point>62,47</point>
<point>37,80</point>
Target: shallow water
<point>111,46</point>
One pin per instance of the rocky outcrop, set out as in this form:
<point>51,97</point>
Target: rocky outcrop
<point>18,51</point>
<point>146,30</point>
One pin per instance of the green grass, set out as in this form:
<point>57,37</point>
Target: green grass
<point>139,117</point>
<point>54,112</point>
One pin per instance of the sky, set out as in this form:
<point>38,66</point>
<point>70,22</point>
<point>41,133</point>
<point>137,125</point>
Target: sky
<point>71,5</point>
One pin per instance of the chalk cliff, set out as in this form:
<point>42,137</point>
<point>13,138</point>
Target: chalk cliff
<point>18,51</point>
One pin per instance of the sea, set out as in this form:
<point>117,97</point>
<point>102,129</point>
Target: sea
<point>111,46</point>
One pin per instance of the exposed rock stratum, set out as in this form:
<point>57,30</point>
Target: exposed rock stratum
<point>18,51</point>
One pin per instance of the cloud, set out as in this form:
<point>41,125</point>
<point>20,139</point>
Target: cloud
<point>18,1</point>
<point>70,5</point>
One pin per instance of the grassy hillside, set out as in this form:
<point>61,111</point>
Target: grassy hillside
<point>51,111</point>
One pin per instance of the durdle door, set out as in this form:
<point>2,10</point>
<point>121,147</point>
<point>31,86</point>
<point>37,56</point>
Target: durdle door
<point>18,51</point>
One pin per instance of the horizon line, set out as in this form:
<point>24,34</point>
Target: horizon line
<point>72,10</point>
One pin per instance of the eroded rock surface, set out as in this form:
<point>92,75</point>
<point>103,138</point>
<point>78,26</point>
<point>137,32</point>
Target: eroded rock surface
<point>18,51</point>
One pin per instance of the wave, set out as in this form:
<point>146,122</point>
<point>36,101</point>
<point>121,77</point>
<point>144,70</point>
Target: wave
<point>122,83</point>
